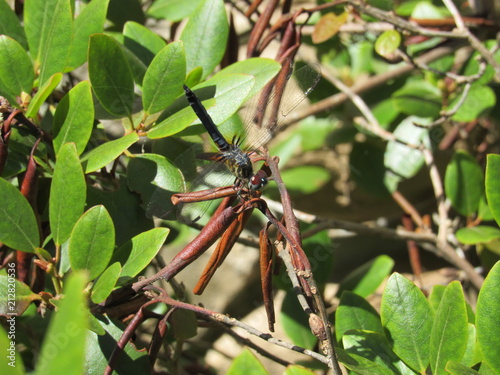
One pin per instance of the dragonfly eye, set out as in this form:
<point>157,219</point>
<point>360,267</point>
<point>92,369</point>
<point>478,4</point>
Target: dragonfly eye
<point>257,182</point>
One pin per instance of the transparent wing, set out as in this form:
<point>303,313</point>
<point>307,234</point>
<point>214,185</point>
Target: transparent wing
<point>207,175</point>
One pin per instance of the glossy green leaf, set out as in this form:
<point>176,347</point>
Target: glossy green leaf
<point>479,234</point>
<point>435,296</point>
<point>124,207</point>
<point>246,363</point>
<point>365,279</point>
<point>424,9</point>
<point>449,331</point>
<point>488,318</point>
<point>295,322</point>
<point>49,29</point>
<point>418,98</point>
<point>155,179</point>
<point>262,69</point>
<point>67,193</point>
<point>18,227</point>
<point>306,179</point>
<point>360,365</point>
<point>374,347</point>
<point>163,79</point>
<point>105,283</point>
<point>463,183</point>
<point>10,26</point>
<point>354,312</point>
<point>74,118</point>
<point>92,242</point>
<point>99,347</point>
<point>137,253</point>
<point>407,317</point>
<point>144,43</point>
<point>63,348</point>
<point>42,94</point>
<point>89,21</point>
<point>110,75</point>
<point>123,11</point>
<point>387,42</point>
<point>229,91</point>
<point>106,153</point>
<point>492,185</point>
<point>205,36</point>
<point>456,368</point>
<point>479,100</point>
<point>400,160</point>
<point>16,71</point>
<point>15,296</point>
<point>173,10</point>
<point>472,354</point>
<point>12,363</point>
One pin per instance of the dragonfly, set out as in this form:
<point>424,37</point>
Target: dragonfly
<point>232,162</point>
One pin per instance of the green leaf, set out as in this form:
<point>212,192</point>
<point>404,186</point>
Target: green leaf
<point>208,24</point>
<point>354,312</point>
<point>110,75</point>
<point>407,317</point>
<point>400,160</point>
<point>10,26</point>
<point>67,193</point>
<point>16,70</point>
<point>92,242</point>
<point>42,94</point>
<point>463,183</point>
<point>155,179</point>
<point>387,42</point>
<point>306,179</point>
<point>137,253</point>
<point>295,322</point>
<point>479,101</point>
<point>479,234</point>
<point>173,10</point>
<point>104,154</point>
<point>472,354</point>
<point>365,279</point>
<point>374,347</point>
<point>435,296</point>
<point>163,79</point>
<point>49,29</point>
<point>449,331</point>
<point>18,227</point>
<point>13,362</point>
<point>99,347</point>
<point>488,319</point>
<point>65,338</point>
<point>246,363</point>
<point>74,118</point>
<point>90,21</point>
<point>492,185</point>
<point>105,283</point>
<point>360,365</point>
<point>229,91</point>
<point>262,69</point>
<point>15,296</point>
<point>142,42</point>
<point>455,368</point>
<point>418,98</point>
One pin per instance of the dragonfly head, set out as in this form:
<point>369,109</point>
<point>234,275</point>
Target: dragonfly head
<point>258,181</point>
